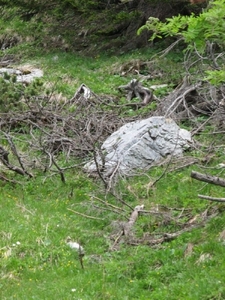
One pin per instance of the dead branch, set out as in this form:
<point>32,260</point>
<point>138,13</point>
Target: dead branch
<point>127,226</point>
<point>106,209</point>
<point>110,207</point>
<point>157,238</point>
<point>4,159</point>
<point>25,209</point>
<point>117,239</point>
<point>190,100</point>
<point>197,130</point>
<point>119,198</point>
<point>113,175</point>
<point>164,52</point>
<point>4,178</point>
<point>133,218</point>
<point>212,198</point>
<point>208,178</point>
<point>15,152</point>
<point>100,166</point>
<point>165,238</point>
<point>180,99</point>
<point>109,204</point>
<point>84,215</point>
<point>151,240</point>
<point>135,89</point>
<point>52,159</point>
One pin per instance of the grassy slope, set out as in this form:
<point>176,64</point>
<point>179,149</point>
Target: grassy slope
<point>36,215</point>
<point>42,266</point>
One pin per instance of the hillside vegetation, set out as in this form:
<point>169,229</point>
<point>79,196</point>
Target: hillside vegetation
<point>49,130</point>
<point>84,26</point>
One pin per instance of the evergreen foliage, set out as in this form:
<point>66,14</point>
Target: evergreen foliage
<point>14,94</point>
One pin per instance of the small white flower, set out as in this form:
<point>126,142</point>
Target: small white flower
<point>73,290</point>
<point>18,243</point>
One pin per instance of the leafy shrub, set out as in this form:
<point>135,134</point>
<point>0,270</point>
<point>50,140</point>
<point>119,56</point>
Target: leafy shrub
<point>201,33</point>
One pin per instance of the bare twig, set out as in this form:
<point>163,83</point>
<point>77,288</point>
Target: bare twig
<point>2,177</point>
<point>114,173</point>
<point>121,233</point>
<point>167,50</point>
<point>195,131</point>
<point>25,209</point>
<point>181,98</point>
<point>109,204</point>
<point>84,215</point>
<point>108,209</point>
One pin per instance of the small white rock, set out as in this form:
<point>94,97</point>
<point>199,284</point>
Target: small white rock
<point>75,245</point>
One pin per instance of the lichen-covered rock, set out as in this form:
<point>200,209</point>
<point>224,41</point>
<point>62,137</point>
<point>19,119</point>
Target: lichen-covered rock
<point>140,144</point>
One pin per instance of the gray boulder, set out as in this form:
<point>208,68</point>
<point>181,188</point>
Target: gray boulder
<point>140,144</point>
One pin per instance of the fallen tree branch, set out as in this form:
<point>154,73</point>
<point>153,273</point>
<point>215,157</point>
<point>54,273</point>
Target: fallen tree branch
<point>5,161</point>
<point>212,198</point>
<point>133,218</point>
<point>165,238</point>
<point>150,239</point>
<point>208,178</point>
<point>127,226</point>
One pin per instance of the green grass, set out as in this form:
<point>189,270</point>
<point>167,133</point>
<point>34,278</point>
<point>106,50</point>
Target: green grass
<point>42,266</point>
<point>36,218</point>
<point>67,71</point>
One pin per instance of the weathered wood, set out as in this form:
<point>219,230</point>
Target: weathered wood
<point>132,219</point>
<point>212,198</point>
<point>135,89</point>
<point>208,178</point>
